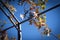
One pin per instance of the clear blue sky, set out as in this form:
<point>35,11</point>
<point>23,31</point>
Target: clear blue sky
<point>30,32</point>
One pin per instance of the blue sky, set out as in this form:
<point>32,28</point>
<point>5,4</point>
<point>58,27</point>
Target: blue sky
<point>30,32</point>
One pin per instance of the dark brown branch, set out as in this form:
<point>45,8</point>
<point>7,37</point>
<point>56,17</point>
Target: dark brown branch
<point>58,5</point>
<point>8,17</point>
<point>11,21</point>
<point>8,10</point>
